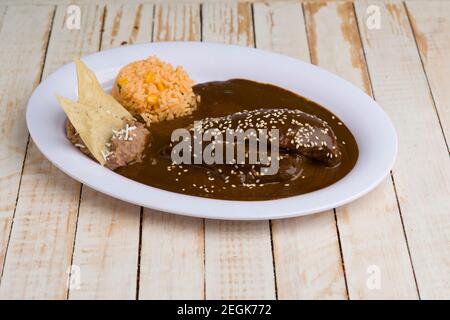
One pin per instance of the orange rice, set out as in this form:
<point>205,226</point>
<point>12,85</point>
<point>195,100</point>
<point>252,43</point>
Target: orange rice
<point>155,90</point>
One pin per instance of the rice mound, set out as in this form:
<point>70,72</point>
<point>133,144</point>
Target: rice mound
<point>155,90</point>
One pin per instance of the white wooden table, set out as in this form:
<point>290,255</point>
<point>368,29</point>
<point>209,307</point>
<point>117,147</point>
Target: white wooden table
<point>393,243</point>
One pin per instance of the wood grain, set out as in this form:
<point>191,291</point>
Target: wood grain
<point>127,24</point>
<point>106,248</point>
<point>228,23</point>
<point>431,25</point>
<point>107,240</point>
<point>238,257</point>
<point>422,170</point>
<point>7,205</point>
<point>40,247</point>
<point>177,22</point>
<point>167,1</point>
<point>370,229</point>
<point>306,249</point>
<point>172,250</point>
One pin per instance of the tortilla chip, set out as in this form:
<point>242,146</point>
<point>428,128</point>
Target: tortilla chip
<point>96,114</point>
<point>91,93</point>
<point>94,126</point>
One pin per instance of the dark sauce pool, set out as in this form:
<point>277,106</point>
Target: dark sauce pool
<point>223,98</point>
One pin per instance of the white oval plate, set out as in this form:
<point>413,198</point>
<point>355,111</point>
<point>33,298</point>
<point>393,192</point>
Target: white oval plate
<point>371,127</point>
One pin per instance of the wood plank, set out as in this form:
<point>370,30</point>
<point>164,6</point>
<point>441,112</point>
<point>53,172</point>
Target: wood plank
<point>106,248</point>
<point>422,170</point>
<point>107,240</point>
<point>127,24</point>
<point>172,250</point>
<point>6,209</point>
<point>238,257</point>
<point>370,229</point>
<point>47,190</point>
<point>140,1</point>
<point>430,21</point>
<point>280,27</point>
<point>177,22</point>
<point>40,247</point>
<point>306,249</point>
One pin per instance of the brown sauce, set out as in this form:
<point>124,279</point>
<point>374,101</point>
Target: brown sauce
<point>220,99</point>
